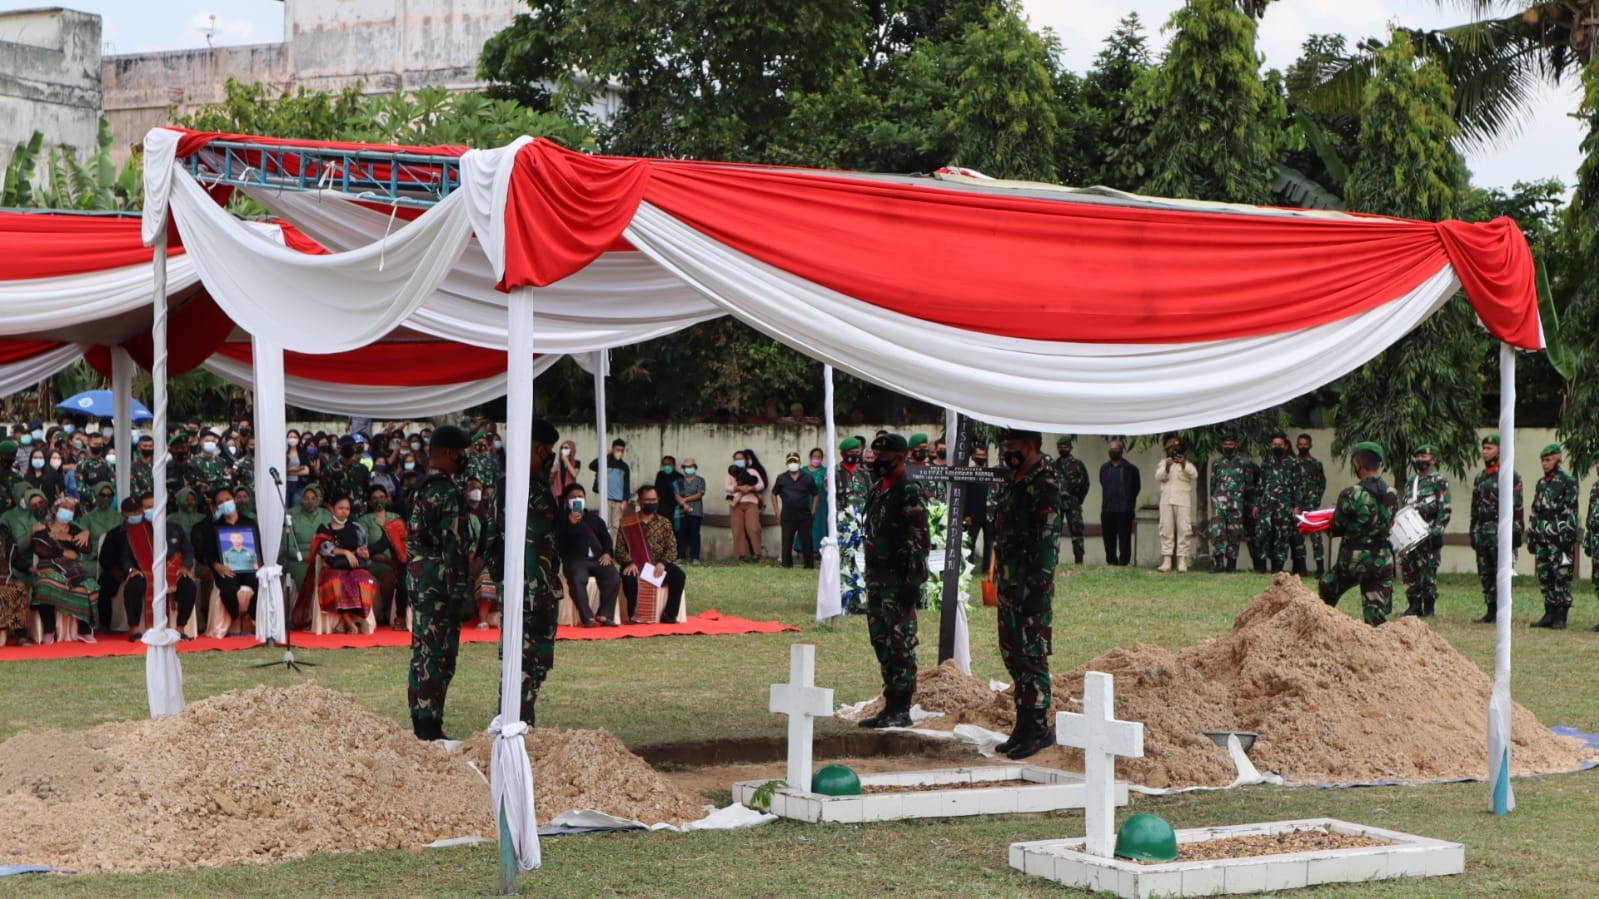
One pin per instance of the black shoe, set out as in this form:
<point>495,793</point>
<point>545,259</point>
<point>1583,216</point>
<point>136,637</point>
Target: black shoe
<point>896,713</point>
<point>1321,569</point>
<point>1427,607</point>
<point>1489,617</point>
<point>1548,618</point>
<point>1078,557</point>
<point>1038,738</point>
<point>1301,570</point>
<point>1260,567</point>
<point>428,730</point>
<point>1414,609</point>
<point>1559,622</point>
<point>1232,565</point>
<point>1024,726</point>
<point>1595,628</point>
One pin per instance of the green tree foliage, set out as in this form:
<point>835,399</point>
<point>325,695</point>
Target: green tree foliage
<point>1114,113</point>
<point>1215,126</point>
<point>1579,239</point>
<point>55,177</point>
<point>1425,388</point>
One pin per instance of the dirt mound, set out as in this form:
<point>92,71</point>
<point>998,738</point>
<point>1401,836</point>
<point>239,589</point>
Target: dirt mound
<point>961,698</point>
<point>243,777</point>
<point>590,769</point>
<point>1333,700</point>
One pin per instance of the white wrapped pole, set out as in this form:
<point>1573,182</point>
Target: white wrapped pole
<point>829,592</point>
<point>162,674</point>
<point>122,369</point>
<point>1501,799</point>
<point>512,773</point>
<point>602,451</point>
<point>271,430</point>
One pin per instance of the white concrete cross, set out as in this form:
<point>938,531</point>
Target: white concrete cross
<point>803,702</point>
<point>1101,738</point>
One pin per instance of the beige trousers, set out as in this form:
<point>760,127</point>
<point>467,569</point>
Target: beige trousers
<point>746,525</point>
<point>1176,523</point>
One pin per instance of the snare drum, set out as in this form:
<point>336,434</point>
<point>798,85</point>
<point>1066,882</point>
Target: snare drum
<point>1409,530</point>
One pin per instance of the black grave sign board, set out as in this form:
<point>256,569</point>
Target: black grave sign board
<point>957,474</point>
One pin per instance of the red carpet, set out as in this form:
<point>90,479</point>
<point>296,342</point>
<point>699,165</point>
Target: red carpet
<point>709,623</point>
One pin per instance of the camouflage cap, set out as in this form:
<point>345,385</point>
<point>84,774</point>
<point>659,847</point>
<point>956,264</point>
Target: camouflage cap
<point>1552,449</point>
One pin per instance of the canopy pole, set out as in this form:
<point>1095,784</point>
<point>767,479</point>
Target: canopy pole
<point>271,434</point>
<point>602,450</point>
<point>512,773</point>
<point>122,419</point>
<point>162,673</point>
<point>1501,798</point>
<point>829,592</point>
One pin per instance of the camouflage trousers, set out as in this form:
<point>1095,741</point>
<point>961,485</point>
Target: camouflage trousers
<point>1026,639</point>
<point>540,611</point>
<point>1226,530</point>
<point>1274,531</point>
<point>438,594</point>
<point>1072,523</point>
<point>1420,570</point>
<point>1298,543</point>
<point>1373,570</point>
<point>1554,574</point>
<point>891,622</point>
<point>1488,569</point>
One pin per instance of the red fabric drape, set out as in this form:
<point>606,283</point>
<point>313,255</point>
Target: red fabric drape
<point>1057,269</point>
<point>53,245</point>
<point>413,363</point>
<point>12,351</point>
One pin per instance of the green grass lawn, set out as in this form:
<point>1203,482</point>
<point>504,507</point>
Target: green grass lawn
<point>678,690</point>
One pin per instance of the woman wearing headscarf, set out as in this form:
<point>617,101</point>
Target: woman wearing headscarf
<point>344,586</point>
<point>99,522</point>
<point>385,533</point>
<point>304,520</point>
<point>61,586</point>
<point>189,512</point>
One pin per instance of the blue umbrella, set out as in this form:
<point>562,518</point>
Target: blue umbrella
<point>99,404</point>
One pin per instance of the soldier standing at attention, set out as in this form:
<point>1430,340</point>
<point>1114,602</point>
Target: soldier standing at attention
<point>1554,537</point>
<point>436,578</point>
<point>541,566</point>
<point>896,567</point>
<point>1420,565</point>
<point>1072,476</point>
<point>1362,517</point>
<point>1257,555</point>
<point>1315,484</point>
<point>1228,481</point>
<point>1590,540</point>
<point>1485,524</point>
<point>1280,494</point>
<point>1026,522</point>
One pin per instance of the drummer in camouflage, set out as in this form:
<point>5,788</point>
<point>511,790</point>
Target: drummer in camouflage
<point>1429,491</point>
<point>1362,517</point>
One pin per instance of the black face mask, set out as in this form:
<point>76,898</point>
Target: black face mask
<point>852,458</point>
<point>1421,466</point>
<point>1014,461</point>
<point>1304,451</point>
<point>882,467</point>
<point>1279,451</point>
<point>648,508</point>
<point>1115,455</point>
<point>1229,451</point>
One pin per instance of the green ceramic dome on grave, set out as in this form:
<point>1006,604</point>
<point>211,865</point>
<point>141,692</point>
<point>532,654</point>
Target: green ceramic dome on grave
<point>836,780</point>
<point>1146,838</point>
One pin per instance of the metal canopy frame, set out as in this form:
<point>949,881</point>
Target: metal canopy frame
<point>393,179</point>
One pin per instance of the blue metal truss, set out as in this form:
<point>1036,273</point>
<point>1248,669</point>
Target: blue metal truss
<point>398,179</point>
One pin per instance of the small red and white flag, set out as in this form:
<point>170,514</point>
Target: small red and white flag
<point>1315,521</point>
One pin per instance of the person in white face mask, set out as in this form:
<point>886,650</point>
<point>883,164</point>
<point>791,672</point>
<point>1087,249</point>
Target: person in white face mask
<point>795,497</point>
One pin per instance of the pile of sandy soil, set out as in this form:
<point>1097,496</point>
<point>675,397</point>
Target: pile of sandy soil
<point>959,697</point>
<point>243,777</point>
<point>1333,700</point>
<point>590,769</point>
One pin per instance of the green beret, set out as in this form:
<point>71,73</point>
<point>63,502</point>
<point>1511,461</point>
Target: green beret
<point>545,433</point>
<point>178,438</point>
<point>1425,448</point>
<point>891,443</point>
<point>1065,440</point>
<point>8,447</point>
<point>849,443</point>
<point>1491,438</point>
<point>449,437</point>
<point>1552,449</point>
<point>916,440</point>
<point>1370,447</point>
<point>478,435</point>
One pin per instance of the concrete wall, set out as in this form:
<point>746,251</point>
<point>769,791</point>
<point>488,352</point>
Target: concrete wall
<point>140,88</point>
<point>49,78</point>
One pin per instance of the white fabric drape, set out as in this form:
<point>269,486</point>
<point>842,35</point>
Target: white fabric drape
<point>1501,799</point>
<point>163,675</point>
<point>512,773</point>
<point>829,590</point>
<point>602,447</point>
<point>19,376</point>
<point>272,433</point>
<point>44,305</point>
<point>122,371</point>
<point>377,402</point>
<point>1106,388</point>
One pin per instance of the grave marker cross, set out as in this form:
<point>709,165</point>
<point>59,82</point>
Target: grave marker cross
<point>803,702</point>
<point>1101,738</point>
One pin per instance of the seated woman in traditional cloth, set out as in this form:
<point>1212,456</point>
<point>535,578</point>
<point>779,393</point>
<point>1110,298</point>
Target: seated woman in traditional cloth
<point>14,594</point>
<point>60,585</point>
<point>387,532</point>
<point>344,587</point>
<point>229,545</point>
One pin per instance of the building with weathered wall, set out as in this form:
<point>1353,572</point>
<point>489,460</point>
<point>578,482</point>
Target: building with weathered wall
<point>49,78</point>
<point>384,45</point>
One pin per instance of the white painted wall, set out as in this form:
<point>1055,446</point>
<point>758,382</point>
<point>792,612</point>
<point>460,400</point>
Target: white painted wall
<point>49,78</point>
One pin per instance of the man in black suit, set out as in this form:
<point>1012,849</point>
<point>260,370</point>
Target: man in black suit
<point>585,545</point>
<point>1119,484</point>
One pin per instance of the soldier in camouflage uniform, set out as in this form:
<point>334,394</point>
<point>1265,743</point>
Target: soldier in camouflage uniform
<point>896,567</point>
<point>541,565</point>
<point>436,580</point>
<point>1554,537</point>
<point>1229,481</point>
<point>1280,493</point>
<point>94,469</point>
<point>852,482</point>
<point>10,480</point>
<point>1590,539</point>
<point>207,472</point>
<point>1362,517</point>
<point>1072,476</point>
<point>935,491</point>
<point>483,463</point>
<point>143,480</point>
<point>1257,557</point>
<point>1314,479</point>
<point>1485,524</point>
<point>1420,565</point>
<point>1027,517</point>
<point>348,476</point>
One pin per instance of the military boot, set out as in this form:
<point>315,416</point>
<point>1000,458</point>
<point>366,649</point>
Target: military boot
<point>1492,615</point>
<point>1413,609</point>
<point>1321,568</point>
<point>1077,554</point>
<point>1559,622</point>
<point>1548,619</point>
<point>1427,606</point>
<point>1039,737</point>
<point>896,712</point>
<point>1232,565</point>
<point>1300,569</point>
<point>1024,727</point>
<point>427,730</point>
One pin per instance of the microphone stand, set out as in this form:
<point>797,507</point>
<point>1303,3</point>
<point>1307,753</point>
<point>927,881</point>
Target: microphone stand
<point>288,660</point>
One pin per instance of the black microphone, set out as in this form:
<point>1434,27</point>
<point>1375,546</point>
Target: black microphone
<point>276,478</point>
